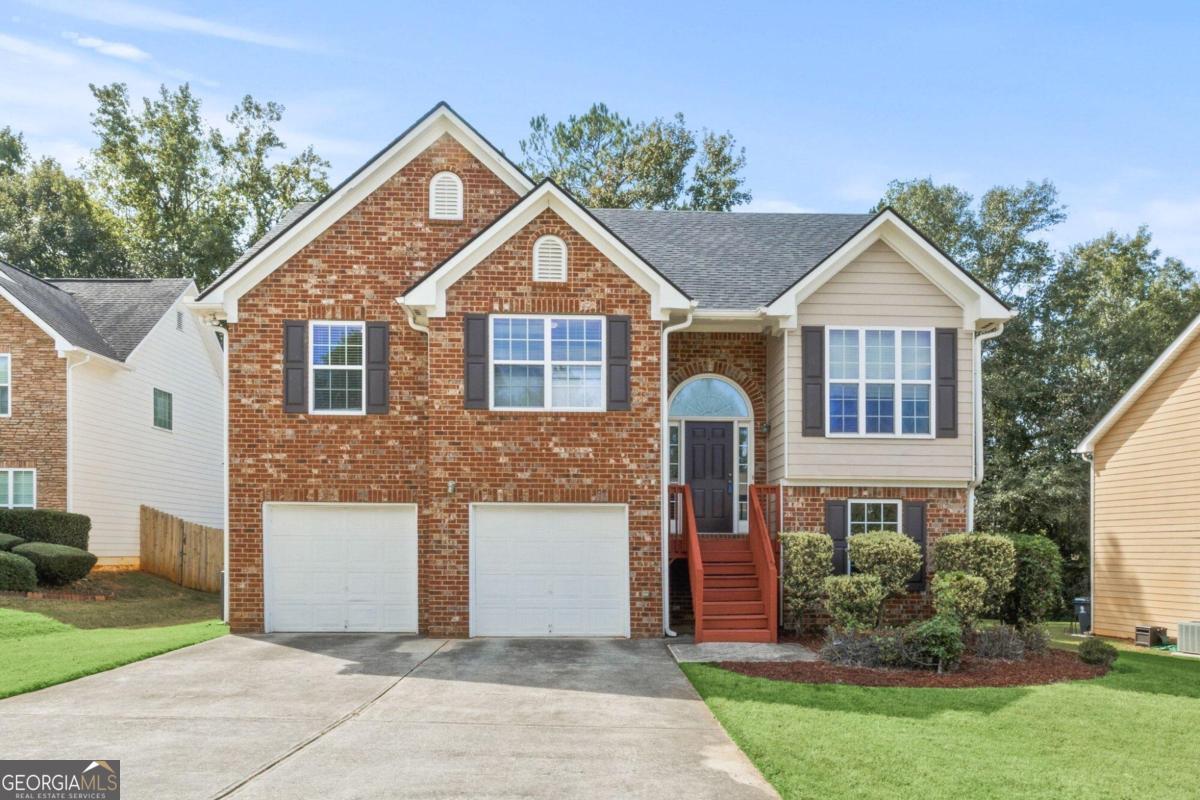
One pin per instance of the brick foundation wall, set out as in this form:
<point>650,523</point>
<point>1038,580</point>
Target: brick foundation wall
<point>35,435</point>
<point>945,513</point>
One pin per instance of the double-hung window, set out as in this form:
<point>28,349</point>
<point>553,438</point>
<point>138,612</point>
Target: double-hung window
<point>549,363</point>
<point>880,381</point>
<point>337,367</point>
<point>18,488</point>
<point>873,515</point>
<point>5,385</point>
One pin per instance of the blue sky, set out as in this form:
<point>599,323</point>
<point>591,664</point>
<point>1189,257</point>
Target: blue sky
<point>830,100</point>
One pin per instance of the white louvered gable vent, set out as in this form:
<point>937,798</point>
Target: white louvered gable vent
<point>445,196</point>
<point>550,259</point>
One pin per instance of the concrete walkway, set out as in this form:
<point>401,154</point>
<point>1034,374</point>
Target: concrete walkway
<point>364,716</point>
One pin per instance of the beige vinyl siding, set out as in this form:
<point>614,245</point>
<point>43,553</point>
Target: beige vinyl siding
<point>880,288</point>
<point>1147,529</point>
<point>777,437</point>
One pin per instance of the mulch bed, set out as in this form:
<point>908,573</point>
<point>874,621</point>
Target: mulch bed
<point>1053,667</point>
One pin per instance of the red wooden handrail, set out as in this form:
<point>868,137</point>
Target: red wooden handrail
<point>763,552</point>
<point>685,520</point>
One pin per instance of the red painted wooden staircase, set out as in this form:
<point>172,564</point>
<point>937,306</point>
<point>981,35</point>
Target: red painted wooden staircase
<point>734,579</point>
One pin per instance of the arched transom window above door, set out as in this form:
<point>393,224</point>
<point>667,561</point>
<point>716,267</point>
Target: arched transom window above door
<point>709,397</point>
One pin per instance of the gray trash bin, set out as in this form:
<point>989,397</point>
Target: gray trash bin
<point>1083,614</point>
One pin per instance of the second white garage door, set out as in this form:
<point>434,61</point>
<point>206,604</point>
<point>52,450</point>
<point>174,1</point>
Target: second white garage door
<point>340,567</point>
<point>549,570</point>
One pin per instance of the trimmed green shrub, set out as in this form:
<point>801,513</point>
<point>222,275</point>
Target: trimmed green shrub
<point>8,541</point>
<point>1037,585</point>
<point>936,642</point>
<point>16,573</point>
<point>890,556</point>
<point>57,564</point>
<point>960,595</point>
<point>44,525</point>
<point>1097,652</point>
<point>853,600</point>
<point>807,561</point>
<point>987,555</point>
<point>1000,643</point>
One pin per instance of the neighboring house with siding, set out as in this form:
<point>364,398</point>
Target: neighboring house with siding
<point>463,404</point>
<point>110,398</point>
<point>1145,461</point>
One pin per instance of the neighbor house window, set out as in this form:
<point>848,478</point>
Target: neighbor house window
<point>5,384</point>
<point>337,367</point>
<point>164,413</point>
<point>18,488</point>
<point>873,515</point>
<point>445,196</point>
<point>554,363</point>
<point>880,381</point>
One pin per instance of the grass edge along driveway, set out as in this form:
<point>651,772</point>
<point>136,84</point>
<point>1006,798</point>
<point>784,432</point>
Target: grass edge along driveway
<point>37,651</point>
<point>1128,734</point>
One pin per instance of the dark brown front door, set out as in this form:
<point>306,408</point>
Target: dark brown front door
<point>709,469</point>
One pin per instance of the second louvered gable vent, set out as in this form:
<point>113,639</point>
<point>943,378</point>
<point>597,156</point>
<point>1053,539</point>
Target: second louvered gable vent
<point>445,196</point>
<point>550,259</point>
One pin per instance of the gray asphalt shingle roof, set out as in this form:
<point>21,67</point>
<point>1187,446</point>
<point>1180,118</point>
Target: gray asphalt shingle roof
<point>732,260</point>
<point>109,317</point>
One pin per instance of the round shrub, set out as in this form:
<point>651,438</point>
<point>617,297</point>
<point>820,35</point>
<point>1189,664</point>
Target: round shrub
<point>8,541</point>
<point>854,600</point>
<point>1097,652</point>
<point>987,555</point>
<point>1037,639</point>
<point>45,525</point>
<point>16,573</point>
<point>960,595</point>
<point>1037,585</point>
<point>936,642</point>
<point>999,643</point>
<point>807,559</point>
<point>57,564</point>
<point>892,557</point>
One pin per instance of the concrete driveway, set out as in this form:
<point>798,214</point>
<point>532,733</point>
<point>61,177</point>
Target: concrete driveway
<point>350,715</point>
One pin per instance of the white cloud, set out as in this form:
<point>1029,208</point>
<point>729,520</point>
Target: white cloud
<point>29,51</point>
<point>121,50</point>
<point>1174,222</point>
<point>140,17</point>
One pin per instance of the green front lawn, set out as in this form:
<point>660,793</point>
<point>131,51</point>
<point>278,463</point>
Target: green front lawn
<point>1130,734</point>
<point>44,642</point>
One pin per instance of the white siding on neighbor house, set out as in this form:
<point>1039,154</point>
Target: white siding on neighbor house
<point>777,437</point>
<point>120,461</point>
<point>880,288</point>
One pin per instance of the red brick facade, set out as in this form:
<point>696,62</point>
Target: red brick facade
<point>35,436</point>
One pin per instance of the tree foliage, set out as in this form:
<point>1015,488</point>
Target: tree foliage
<point>609,161</point>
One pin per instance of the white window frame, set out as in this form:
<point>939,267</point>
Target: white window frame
<point>898,382</point>
<point>8,385</point>
<point>869,501</point>
<point>548,364</point>
<point>537,259</point>
<point>7,501</point>
<point>458,213</point>
<point>154,410</point>
<point>312,368</point>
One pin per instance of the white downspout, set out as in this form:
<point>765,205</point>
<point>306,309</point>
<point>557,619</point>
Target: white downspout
<point>224,336</point>
<point>70,444</point>
<point>664,476</point>
<point>412,319</point>
<point>977,418</point>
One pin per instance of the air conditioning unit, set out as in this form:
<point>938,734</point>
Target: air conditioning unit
<point>1189,638</point>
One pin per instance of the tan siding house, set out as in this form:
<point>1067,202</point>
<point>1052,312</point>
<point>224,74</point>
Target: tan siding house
<point>1145,478</point>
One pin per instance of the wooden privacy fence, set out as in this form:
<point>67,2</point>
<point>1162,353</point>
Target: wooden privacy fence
<point>180,551</point>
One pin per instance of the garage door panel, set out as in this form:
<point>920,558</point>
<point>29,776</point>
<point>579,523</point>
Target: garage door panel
<point>557,570</point>
<point>341,567</point>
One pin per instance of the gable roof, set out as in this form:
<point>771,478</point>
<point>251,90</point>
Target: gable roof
<point>429,292</point>
<point>732,260</point>
<point>304,223</point>
<point>1164,360</point>
<point>108,317</point>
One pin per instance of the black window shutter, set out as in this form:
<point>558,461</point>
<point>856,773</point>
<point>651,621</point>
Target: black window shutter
<point>377,368</point>
<point>946,359</point>
<point>295,367</point>
<point>837,527</point>
<point>812,352</point>
<point>618,364</point>
<point>914,528</point>
<point>475,361</point>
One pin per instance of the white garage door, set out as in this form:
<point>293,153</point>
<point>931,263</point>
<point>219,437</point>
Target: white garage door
<point>549,570</point>
<point>340,567</point>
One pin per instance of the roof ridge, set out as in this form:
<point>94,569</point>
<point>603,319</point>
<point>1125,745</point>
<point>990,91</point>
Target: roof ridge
<point>33,275</point>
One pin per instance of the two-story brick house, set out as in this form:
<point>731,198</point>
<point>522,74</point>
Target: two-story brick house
<point>457,399</point>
